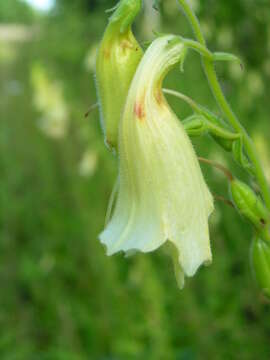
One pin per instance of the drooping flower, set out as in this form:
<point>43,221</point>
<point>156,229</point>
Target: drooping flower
<point>162,194</point>
<point>117,59</point>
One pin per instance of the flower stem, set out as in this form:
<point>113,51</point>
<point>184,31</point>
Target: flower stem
<point>183,97</point>
<point>218,166</point>
<point>209,69</point>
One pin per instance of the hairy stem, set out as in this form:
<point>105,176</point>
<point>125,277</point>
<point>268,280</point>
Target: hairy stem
<point>218,166</point>
<point>209,69</point>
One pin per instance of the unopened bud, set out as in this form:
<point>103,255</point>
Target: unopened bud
<point>260,257</point>
<point>249,204</point>
<point>194,125</point>
<point>117,59</point>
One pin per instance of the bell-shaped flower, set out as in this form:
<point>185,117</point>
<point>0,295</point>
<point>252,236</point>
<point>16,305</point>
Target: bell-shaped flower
<point>162,194</point>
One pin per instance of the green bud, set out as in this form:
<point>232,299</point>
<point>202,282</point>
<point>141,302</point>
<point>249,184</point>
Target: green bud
<point>118,56</point>
<point>249,204</point>
<point>219,130</point>
<point>194,125</point>
<point>260,259</point>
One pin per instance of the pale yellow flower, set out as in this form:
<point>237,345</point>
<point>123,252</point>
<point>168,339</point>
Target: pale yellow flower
<point>162,194</point>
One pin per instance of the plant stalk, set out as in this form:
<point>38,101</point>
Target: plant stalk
<point>209,69</point>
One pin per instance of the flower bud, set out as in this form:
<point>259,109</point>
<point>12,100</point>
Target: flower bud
<point>217,123</point>
<point>194,125</point>
<point>118,56</point>
<point>249,204</point>
<point>162,193</point>
<point>260,258</point>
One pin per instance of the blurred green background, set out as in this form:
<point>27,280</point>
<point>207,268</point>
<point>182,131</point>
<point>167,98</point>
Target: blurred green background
<point>61,297</point>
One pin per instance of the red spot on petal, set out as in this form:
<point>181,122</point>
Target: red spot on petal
<point>139,110</point>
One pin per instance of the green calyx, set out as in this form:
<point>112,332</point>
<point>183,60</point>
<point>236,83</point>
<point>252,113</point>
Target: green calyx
<point>250,206</point>
<point>260,260</point>
<point>118,56</point>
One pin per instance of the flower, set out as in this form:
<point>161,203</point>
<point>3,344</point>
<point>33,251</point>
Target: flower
<point>162,194</point>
